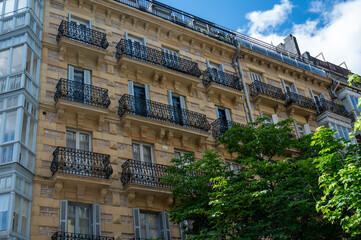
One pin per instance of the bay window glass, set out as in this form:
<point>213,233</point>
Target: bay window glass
<point>14,82</point>
<point>149,225</point>
<point>10,125</point>
<point>31,134</point>
<point>28,60</point>
<point>7,154</point>
<point>16,213</point>
<point>24,216</point>
<point>4,206</point>
<point>5,183</point>
<point>35,66</point>
<point>4,61</point>
<point>22,157</point>
<point>79,219</point>
<point>22,4</point>
<point>9,7</point>
<point>17,58</point>
<point>24,128</point>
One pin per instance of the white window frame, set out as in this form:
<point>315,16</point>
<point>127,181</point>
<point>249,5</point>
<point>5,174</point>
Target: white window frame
<point>141,152</point>
<point>77,138</point>
<point>77,218</point>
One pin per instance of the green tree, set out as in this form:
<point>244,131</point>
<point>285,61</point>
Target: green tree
<point>266,197</point>
<point>352,79</point>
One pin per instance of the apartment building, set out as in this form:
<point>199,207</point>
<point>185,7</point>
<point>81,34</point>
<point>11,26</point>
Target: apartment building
<point>20,53</point>
<point>127,85</point>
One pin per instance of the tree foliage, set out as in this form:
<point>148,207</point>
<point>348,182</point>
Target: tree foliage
<point>266,197</point>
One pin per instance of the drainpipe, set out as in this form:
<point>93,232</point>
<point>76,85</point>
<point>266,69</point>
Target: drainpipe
<point>237,66</point>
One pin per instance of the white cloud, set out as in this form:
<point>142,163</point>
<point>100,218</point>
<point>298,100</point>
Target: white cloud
<point>261,21</point>
<point>339,39</point>
<point>316,7</point>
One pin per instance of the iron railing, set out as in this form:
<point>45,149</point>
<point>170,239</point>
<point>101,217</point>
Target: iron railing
<point>300,100</point>
<point>143,173</point>
<point>136,50</point>
<point>324,105</point>
<point>258,87</point>
<point>220,127</point>
<point>212,75</point>
<point>83,93</point>
<point>82,34</point>
<point>162,112</point>
<point>82,163</point>
<point>77,236</point>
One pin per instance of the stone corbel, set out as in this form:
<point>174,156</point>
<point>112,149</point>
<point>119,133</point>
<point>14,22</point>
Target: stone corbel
<point>236,101</point>
<point>100,62</point>
<point>122,69</point>
<point>143,131</point>
<point>139,74</point>
<point>158,30</point>
<point>162,80</point>
<point>222,53</point>
<point>291,113</point>
<point>103,192</point>
<point>170,200</point>
<point>60,115</point>
<point>134,22</point>
<point>101,120</point>
<point>146,26</point>
<point>170,34</point>
<point>200,142</point>
<point>191,42</point>
<point>222,99</point>
<point>184,141</point>
<point>176,86</point>
<point>155,78</point>
<point>127,129</point>
<point>122,18</point>
<point>203,46</point>
<point>169,137</point>
<point>180,38</point>
<point>80,59</point>
<point>80,191</point>
<point>80,4</point>
<point>210,95</point>
<point>62,52</point>
<point>161,135</point>
<point>191,89</point>
<point>94,8</point>
<point>58,187</point>
<point>131,197</point>
<point>212,50</point>
<point>150,199</point>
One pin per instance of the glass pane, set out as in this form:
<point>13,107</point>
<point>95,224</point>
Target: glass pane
<point>9,6</point>
<point>7,154</point>
<point>84,226</point>
<point>27,188</point>
<point>152,219</point>
<point>177,155</point>
<point>153,232</point>
<point>136,152</point>
<point>16,214</point>
<point>18,183</point>
<point>84,141</point>
<point>70,139</point>
<point>17,59</point>
<point>4,62</point>
<point>147,154</point>
<point>71,225</point>
<point>4,206</point>
<point>10,126</point>
<point>28,60</point>
<point>31,134</point>
<point>24,127</point>
<point>35,66</point>
<point>83,212</point>
<point>22,4</point>
<point>24,216</point>
<point>71,211</point>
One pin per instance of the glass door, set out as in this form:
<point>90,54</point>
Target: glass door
<point>78,86</point>
<point>177,110</point>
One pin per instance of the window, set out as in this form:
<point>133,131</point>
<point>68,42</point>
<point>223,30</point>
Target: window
<point>10,126</point>
<point>78,140</point>
<point>77,91</point>
<point>178,103</point>
<point>232,166</point>
<point>151,225</point>
<point>256,77</point>
<point>20,215</point>
<point>4,61</point>
<point>79,218</point>
<point>142,152</point>
<point>5,183</point>
<point>136,46</point>
<point>18,53</point>
<point>4,208</point>
<point>354,101</point>
<point>179,153</point>
<point>170,57</point>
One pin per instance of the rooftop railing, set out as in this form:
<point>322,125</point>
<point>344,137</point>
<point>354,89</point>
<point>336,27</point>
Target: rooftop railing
<point>77,236</point>
<point>83,93</point>
<point>82,34</point>
<point>300,100</point>
<point>81,163</point>
<point>143,173</point>
<point>212,75</point>
<point>258,87</point>
<point>324,105</point>
<point>162,112</point>
<point>137,51</point>
<point>221,33</point>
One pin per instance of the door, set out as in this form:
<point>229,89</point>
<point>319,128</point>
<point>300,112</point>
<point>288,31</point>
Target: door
<point>78,86</point>
<point>77,157</point>
<point>140,102</point>
<point>144,170</point>
<point>80,29</point>
<point>257,82</point>
<point>170,58</point>
<point>136,47</point>
<point>224,119</point>
<point>177,110</point>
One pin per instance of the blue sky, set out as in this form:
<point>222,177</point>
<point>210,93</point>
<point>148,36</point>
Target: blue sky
<point>332,27</point>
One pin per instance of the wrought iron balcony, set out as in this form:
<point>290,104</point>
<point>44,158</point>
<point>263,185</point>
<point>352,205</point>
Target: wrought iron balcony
<point>212,75</point>
<point>143,173</point>
<point>258,87</point>
<point>220,126</point>
<point>323,105</point>
<point>137,51</point>
<point>82,163</point>
<point>83,93</point>
<point>162,112</point>
<point>77,236</point>
<point>300,100</point>
<point>82,34</point>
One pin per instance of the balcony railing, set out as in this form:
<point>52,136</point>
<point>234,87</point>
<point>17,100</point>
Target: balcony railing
<point>300,100</point>
<point>81,163</point>
<point>162,112</point>
<point>258,87</point>
<point>77,236</point>
<point>143,173</point>
<point>220,126</point>
<point>82,34</point>
<point>83,93</point>
<point>137,51</point>
<point>212,75</point>
<point>324,105</point>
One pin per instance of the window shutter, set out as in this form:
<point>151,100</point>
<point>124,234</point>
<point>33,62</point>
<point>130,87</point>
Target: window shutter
<point>307,129</point>
<point>296,128</point>
<point>63,216</point>
<point>96,219</point>
<point>283,85</point>
<point>136,222</point>
<point>70,72</point>
<point>126,35</point>
<point>90,24</point>
<point>144,42</point>
<point>146,88</point>
<point>169,95</point>
<point>131,88</point>
<point>182,102</point>
<point>312,95</point>
<point>221,68</point>
<point>228,114</point>
<point>161,225</point>
<point>87,89</point>
<point>87,77</point>
<point>217,113</point>
<point>274,118</point>
<point>164,226</point>
<point>323,96</point>
<point>183,228</point>
<point>167,226</point>
<point>207,62</point>
<point>261,113</point>
<point>69,17</point>
<point>294,88</point>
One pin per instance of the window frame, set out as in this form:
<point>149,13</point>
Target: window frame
<point>77,138</point>
<point>141,152</point>
<point>77,218</point>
